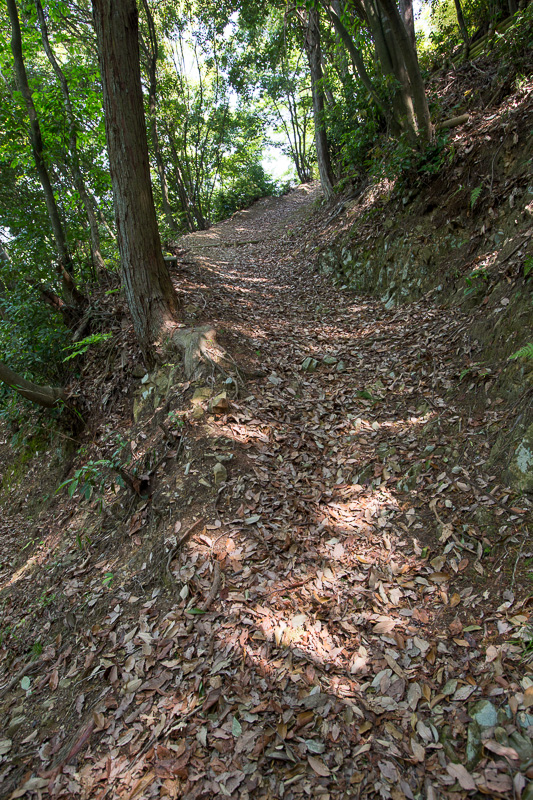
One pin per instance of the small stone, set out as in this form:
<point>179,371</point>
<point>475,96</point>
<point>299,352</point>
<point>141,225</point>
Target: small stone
<point>341,366</point>
<point>197,412</point>
<point>220,403</point>
<point>330,360</point>
<point>220,473</point>
<point>484,713</point>
<point>138,371</point>
<point>521,468</point>
<point>309,364</point>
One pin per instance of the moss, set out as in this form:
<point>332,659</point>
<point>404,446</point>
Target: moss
<point>23,456</point>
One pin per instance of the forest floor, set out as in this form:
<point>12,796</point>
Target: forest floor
<point>349,615</point>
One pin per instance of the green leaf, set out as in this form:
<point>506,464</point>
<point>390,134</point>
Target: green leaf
<point>524,352</point>
<point>25,683</point>
<point>474,195</point>
<point>236,727</point>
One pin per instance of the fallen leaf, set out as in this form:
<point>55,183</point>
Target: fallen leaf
<point>318,766</point>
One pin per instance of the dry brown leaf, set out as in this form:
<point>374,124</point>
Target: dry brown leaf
<point>318,766</point>
<point>462,775</point>
<point>528,697</point>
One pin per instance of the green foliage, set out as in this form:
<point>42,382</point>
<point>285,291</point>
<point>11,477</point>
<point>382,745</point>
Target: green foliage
<point>399,161</point>
<point>524,352</point>
<point>474,196</point>
<point>476,281</point>
<point>243,190</point>
<point>90,478</point>
<point>83,345</point>
<point>31,337</point>
<point>528,266</point>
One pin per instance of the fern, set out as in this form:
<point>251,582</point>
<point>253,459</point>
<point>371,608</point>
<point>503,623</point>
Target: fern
<point>474,195</point>
<point>524,352</point>
<point>83,345</point>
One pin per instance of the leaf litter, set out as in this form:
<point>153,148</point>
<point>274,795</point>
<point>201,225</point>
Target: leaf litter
<point>344,623</point>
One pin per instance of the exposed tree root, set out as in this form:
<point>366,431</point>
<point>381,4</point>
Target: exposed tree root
<point>202,355</point>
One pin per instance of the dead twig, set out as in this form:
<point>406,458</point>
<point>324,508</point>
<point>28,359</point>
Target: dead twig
<point>82,740</point>
<point>215,588</point>
<point>32,666</point>
<point>185,538</point>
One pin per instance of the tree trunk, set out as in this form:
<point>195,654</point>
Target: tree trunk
<point>150,54</point>
<point>392,64</point>
<point>357,61</point>
<point>45,396</point>
<point>149,290</point>
<point>79,183</point>
<point>408,53</point>
<point>36,139</point>
<point>462,27</point>
<point>312,47</point>
<point>408,17</point>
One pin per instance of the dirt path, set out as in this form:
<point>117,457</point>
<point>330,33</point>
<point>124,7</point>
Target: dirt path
<point>368,596</point>
<point>348,622</point>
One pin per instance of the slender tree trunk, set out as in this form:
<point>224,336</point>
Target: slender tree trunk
<point>36,139</point>
<point>407,14</point>
<point>150,53</point>
<point>462,27</point>
<point>45,396</point>
<point>357,61</point>
<point>391,62</point>
<point>312,46</point>
<point>408,52</point>
<point>193,215</point>
<point>79,183</point>
<point>149,290</point>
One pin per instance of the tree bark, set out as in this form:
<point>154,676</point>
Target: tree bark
<point>45,396</point>
<point>149,290</point>
<point>408,53</point>
<point>392,64</point>
<point>36,139</point>
<point>408,17</point>
<point>357,60</point>
<point>150,54</point>
<point>462,27</point>
<point>77,176</point>
<point>312,47</point>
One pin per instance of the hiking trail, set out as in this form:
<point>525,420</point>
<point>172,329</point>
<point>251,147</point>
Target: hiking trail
<point>351,633</point>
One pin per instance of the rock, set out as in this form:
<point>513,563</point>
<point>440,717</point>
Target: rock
<point>201,394</point>
<point>138,371</point>
<point>484,713</point>
<point>330,360</point>
<point>220,403</point>
<point>341,366</point>
<point>309,364</point>
<point>220,473</point>
<point>521,467</point>
<point>197,412</point>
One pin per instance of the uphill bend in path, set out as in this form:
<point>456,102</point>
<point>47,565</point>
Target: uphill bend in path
<point>353,603</point>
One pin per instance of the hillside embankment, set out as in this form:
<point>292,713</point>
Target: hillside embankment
<point>461,237</point>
